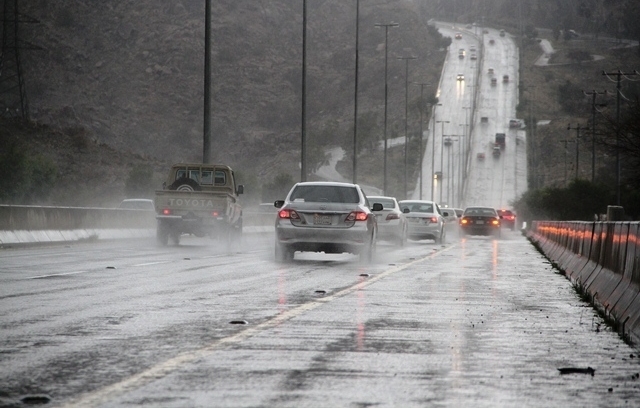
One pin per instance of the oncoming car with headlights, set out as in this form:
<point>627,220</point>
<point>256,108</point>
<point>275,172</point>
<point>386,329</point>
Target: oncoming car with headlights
<point>325,217</point>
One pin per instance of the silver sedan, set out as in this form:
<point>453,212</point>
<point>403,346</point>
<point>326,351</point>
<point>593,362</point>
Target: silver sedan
<point>424,220</point>
<point>325,217</point>
<point>392,224</point>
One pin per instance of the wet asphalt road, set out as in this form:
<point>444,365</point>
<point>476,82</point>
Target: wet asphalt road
<point>475,322</point>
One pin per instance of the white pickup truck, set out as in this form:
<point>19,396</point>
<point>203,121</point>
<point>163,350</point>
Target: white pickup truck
<point>198,199</point>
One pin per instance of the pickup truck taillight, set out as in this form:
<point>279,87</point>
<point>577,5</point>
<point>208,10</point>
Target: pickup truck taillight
<point>166,211</point>
<point>215,213</point>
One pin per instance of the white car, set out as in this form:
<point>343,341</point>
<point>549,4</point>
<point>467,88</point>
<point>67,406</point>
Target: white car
<point>424,219</point>
<point>392,224</point>
<point>325,217</point>
<point>137,204</point>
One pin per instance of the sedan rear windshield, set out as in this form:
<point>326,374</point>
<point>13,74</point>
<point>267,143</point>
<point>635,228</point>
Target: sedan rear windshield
<point>418,207</point>
<point>325,194</point>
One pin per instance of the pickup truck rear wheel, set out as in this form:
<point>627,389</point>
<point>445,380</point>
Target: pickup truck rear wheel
<point>162,234</point>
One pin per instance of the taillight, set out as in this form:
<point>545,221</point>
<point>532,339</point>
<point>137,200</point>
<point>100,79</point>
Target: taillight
<point>215,213</point>
<point>464,221</point>
<point>288,214</point>
<point>357,216</point>
<point>392,216</point>
<point>434,220</point>
<point>495,221</point>
<point>166,211</point>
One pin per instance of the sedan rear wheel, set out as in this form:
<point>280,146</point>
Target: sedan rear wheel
<point>283,254</point>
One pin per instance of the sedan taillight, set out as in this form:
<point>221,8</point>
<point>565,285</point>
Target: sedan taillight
<point>392,216</point>
<point>288,214</point>
<point>357,216</point>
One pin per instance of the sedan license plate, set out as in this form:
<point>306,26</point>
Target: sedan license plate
<point>479,221</point>
<point>320,219</point>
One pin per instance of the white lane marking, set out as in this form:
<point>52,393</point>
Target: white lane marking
<point>152,263</point>
<point>56,274</point>
<point>160,370</point>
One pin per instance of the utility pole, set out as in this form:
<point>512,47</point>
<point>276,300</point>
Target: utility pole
<point>386,93</point>
<point>13,94</point>
<point>619,75</point>
<point>565,141</point>
<point>577,129</point>
<point>406,119</point>
<point>593,95</point>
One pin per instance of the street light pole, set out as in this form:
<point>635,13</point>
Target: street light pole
<point>422,85</point>
<point>355,102</point>
<point>441,155</point>
<point>386,38</point>
<point>406,118</point>
<point>303,131</point>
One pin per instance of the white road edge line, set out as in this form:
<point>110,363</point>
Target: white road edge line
<point>160,370</point>
<point>56,274</point>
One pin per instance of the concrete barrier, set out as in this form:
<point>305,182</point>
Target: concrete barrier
<point>24,224</point>
<point>603,260</point>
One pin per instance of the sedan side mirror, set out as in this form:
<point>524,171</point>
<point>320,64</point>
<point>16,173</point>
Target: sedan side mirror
<point>406,210</point>
<point>377,207</point>
<point>278,203</point>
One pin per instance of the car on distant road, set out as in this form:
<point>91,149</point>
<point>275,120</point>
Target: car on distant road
<point>502,33</point>
<point>450,218</point>
<point>325,217</point>
<point>480,221</point>
<point>137,204</point>
<point>490,71</point>
<point>460,77</point>
<point>474,56</point>
<point>505,78</point>
<point>515,123</point>
<point>492,41</point>
<point>496,151</point>
<point>507,218</point>
<point>392,223</point>
<point>424,220</point>
<point>480,156</point>
<point>458,36</point>
<point>494,81</point>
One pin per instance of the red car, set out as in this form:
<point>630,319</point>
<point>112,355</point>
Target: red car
<point>508,218</point>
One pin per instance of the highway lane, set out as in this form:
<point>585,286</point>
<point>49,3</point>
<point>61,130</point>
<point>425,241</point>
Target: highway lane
<point>476,321</point>
<point>494,182</point>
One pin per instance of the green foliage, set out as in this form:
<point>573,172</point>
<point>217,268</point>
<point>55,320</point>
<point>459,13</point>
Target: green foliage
<point>24,179</point>
<point>571,98</point>
<point>278,188</point>
<point>140,182</point>
<point>580,201</point>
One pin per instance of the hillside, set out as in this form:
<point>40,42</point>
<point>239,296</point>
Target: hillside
<point>129,75</point>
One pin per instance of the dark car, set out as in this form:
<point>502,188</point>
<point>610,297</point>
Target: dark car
<point>480,221</point>
<point>325,217</point>
<point>508,219</point>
